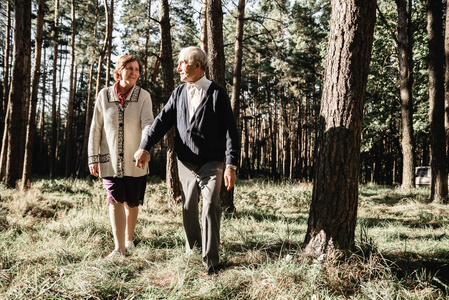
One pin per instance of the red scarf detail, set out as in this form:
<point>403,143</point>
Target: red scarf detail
<point>122,96</point>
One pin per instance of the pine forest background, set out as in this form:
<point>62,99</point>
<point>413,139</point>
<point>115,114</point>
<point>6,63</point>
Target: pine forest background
<point>283,47</point>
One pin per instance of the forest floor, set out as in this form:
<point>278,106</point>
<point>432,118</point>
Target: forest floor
<point>54,239</point>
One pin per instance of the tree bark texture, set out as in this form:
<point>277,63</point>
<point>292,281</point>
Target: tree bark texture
<point>26,174</point>
<point>238,57</point>
<point>217,71</point>
<point>446,85</point>
<point>173,185</point>
<point>335,191</point>
<point>405,91</point>
<point>438,187</point>
<point>17,93</point>
<point>215,42</point>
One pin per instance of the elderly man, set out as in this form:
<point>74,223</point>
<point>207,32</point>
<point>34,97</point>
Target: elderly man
<point>206,133</point>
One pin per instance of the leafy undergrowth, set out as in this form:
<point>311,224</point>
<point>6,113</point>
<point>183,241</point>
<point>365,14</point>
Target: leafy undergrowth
<point>54,239</point>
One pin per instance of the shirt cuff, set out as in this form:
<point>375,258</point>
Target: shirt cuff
<point>231,166</point>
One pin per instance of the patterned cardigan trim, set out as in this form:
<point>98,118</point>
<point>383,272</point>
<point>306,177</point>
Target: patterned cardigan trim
<point>121,121</point>
<point>101,158</point>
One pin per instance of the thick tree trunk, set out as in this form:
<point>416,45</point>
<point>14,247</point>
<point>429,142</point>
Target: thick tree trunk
<point>173,185</point>
<point>333,212</point>
<point>18,94</point>
<point>217,71</point>
<point>26,174</point>
<point>438,187</point>
<point>69,164</point>
<point>446,85</point>
<point>406,83</point>
<point>215,42</point>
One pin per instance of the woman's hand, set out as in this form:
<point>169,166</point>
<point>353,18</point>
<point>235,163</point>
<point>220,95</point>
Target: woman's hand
<point>93,168</point>
<point>142,157</point>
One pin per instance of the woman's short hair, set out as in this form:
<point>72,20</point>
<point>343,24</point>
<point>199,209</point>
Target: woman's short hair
<point>121,64</point>
<point>192,54</point>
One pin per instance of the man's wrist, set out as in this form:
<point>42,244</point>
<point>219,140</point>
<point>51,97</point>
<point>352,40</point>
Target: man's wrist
<point>233,167</point>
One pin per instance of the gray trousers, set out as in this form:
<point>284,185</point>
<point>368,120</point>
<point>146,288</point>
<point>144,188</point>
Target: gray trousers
<point>206,178</point>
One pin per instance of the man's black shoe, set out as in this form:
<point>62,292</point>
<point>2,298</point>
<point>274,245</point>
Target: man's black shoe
<point>212,270</point>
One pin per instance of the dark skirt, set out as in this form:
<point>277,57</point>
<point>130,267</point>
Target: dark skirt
<point>127,189</point>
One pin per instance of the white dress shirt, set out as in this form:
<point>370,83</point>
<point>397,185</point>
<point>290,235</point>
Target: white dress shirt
<point>195,94</point>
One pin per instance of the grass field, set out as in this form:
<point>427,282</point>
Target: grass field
<point>54,239</point>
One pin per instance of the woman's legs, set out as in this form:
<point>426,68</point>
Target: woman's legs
<point>118,221</point>
<point>131,220</point>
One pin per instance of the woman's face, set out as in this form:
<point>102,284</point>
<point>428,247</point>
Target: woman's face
<point>130,74</point>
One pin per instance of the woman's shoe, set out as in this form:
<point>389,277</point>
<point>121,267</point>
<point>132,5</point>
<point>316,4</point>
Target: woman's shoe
<point>115,254</point>
<point>129,245</point>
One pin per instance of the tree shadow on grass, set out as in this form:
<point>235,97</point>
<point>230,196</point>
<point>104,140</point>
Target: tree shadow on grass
<point>261,216</point>
<point>376,222</point>
<point>411,267</point>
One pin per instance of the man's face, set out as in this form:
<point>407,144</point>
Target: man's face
<point>189,73</point>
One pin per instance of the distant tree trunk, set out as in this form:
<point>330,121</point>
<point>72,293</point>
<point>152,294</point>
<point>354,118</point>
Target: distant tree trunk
<point>204,39</point>
<point>107,38</point>
<point>333,211</point>
<point>273,135</point>
<point>5,86</point>
<point>69,162</point>
<point>54,125</point>
<point>42,142</point>
<point>237,78</point>
<point>109,49</point>
<point>147,42</point>
<point>406,83</point>
<point>438,188</point>
<point>26,174</point>
<point>173,185</point>
<point>82,171</point>
<point>83,165</point>
<point>17,93</point>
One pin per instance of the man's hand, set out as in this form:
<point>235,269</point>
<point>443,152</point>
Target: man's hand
<point>230,177</point>
<point>142,157</point>
<point>93,169</point>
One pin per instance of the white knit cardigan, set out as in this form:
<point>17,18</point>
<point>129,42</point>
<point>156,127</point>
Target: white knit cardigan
<point>116,132</point>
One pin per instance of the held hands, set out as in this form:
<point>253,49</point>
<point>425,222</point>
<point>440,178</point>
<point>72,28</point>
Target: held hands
<point>141,157</point>
<point>230,177</point>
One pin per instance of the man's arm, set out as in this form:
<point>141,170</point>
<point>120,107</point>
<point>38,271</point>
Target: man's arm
<point>161,125</point>
<point>232,146</point>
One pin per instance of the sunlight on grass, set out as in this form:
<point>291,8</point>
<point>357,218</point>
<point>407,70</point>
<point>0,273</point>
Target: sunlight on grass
<point>54,239</point>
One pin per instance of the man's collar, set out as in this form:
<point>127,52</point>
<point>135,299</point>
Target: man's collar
<point>199,84</point>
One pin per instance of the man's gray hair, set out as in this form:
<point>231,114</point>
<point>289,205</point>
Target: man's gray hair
<point>192,54</point>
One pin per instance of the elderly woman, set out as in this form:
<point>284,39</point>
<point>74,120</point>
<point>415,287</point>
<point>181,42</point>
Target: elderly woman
<point>122,116</point>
